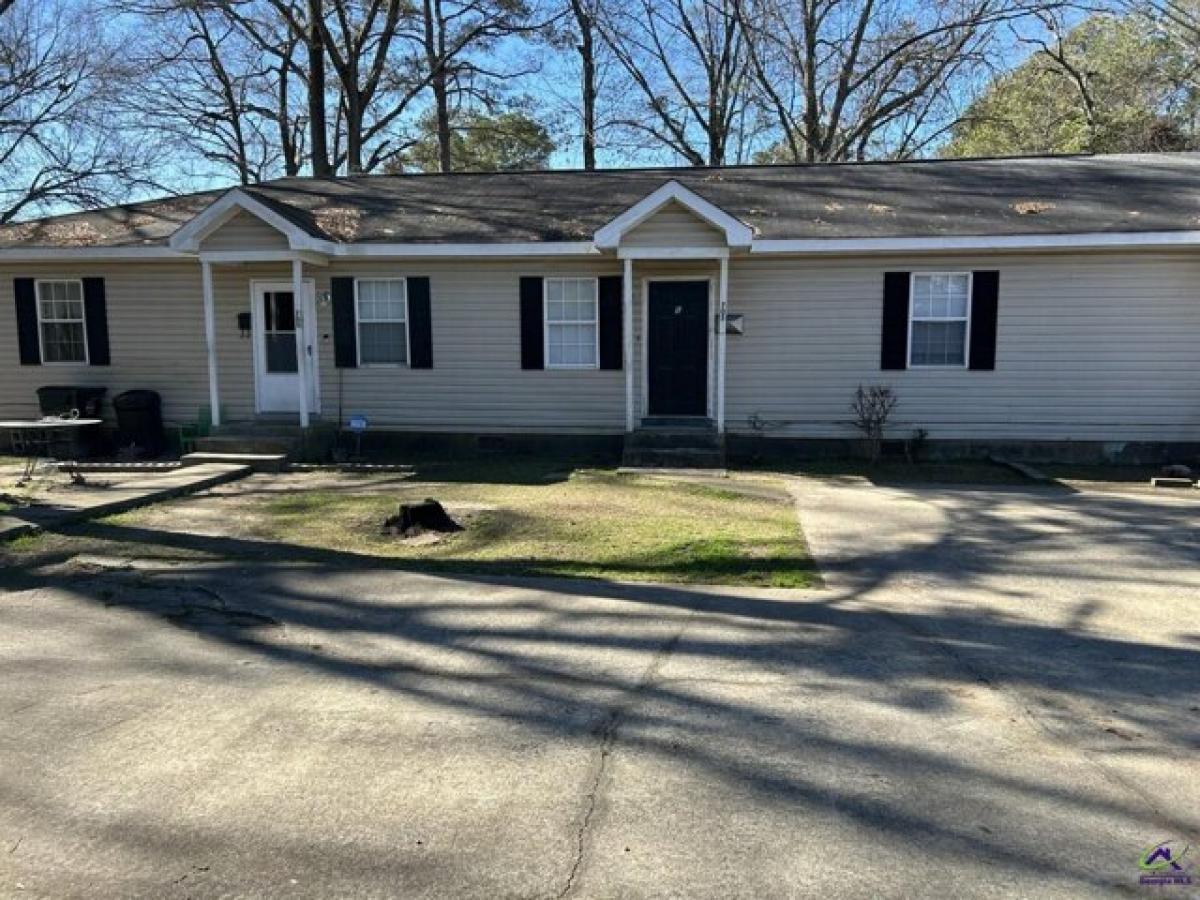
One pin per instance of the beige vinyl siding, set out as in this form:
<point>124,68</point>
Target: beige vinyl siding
<point>1089,347</point>
<point>674,226</point>
<point>235,354</point>
<point>245,232</point>
<point>476,383</point>
<point>155,330</point>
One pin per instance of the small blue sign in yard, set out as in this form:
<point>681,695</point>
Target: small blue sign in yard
<point>357,423</point>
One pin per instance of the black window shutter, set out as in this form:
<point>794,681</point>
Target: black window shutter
<point>611,319</point>
<point>420,325</point>
<point>345,336</point>
<point>95,312</point>
<point>893,352</point>
<point>985,310</point>
<point>27,323</point>
<point>532,338</point>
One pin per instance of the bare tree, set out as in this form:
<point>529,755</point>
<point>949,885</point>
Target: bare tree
<point>303,18</point>
<point>847,79</point>
<point>358,39</point>
<point>585,14</point>
<point>456,34</point>
<point>687,62</point>
<point>277,28</point>
<point>61,140</point>
<point>358,46</point>
<point>218,86</point>
<point>314,44</point>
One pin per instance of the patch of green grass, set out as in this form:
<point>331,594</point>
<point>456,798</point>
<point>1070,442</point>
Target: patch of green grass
<point>590,523</point>
<point>25,543</point>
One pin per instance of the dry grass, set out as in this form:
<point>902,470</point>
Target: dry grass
<point>587,523</point>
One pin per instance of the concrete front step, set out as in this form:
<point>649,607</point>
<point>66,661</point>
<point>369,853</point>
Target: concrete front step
<point>651,438</point>
<point>675,443</point>
<point>257,444</point>
<point>256,462</point>
<point>673,458</point>
<point>679,423</point>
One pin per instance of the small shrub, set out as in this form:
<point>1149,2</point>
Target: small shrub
<point>871,407</point>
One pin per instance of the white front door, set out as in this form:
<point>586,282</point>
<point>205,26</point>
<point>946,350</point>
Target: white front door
<point>276,317</point>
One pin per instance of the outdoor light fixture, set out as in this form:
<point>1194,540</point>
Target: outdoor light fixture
<point>244,324</point>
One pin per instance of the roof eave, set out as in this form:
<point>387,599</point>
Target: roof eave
<point>1149,240</point>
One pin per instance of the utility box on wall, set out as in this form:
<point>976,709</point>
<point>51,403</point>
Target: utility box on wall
<point>735,323</point>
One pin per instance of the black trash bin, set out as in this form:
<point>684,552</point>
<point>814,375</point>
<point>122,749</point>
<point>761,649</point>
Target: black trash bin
<point>139,422</point>
<point>82,403</point>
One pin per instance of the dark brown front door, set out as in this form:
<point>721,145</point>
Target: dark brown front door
<point>677,344</point>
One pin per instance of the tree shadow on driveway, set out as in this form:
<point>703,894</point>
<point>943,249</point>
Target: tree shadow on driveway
<point>719,682</point>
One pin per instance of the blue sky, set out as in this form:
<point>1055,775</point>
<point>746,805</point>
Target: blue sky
<point>552,89</point>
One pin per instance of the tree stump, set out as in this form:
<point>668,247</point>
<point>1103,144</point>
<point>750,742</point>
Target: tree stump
<point>417,518</point>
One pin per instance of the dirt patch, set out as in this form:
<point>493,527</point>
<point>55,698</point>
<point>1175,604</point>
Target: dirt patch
<point>464,515</point>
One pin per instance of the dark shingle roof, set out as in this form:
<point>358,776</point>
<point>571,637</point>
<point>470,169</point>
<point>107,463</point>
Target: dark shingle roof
<point>1037,195</point>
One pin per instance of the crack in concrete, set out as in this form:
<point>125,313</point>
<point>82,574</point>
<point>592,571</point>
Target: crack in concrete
<point>606,735</point>
<point>178,607</point>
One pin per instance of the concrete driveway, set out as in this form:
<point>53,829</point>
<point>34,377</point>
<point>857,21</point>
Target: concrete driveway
<point>998,695</point>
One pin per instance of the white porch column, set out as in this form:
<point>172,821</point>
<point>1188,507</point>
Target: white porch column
<point>301,339</point>
<point>722,313</point>
<point>627,331</point>
<point>210,340</point>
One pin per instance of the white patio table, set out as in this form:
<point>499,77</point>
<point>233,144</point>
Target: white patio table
<point>37,440</point>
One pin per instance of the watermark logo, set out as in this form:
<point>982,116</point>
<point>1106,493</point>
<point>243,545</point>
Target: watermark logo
<point>1166,863</point>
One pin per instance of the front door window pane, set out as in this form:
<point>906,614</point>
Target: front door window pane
<point>279,332</point>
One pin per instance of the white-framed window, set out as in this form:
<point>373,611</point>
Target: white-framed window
<point>939,320</point>
<point>572,323</point>
<point>381,306</point>
<point>62,327</point>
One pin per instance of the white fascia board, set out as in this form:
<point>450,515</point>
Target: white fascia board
<point>318,252</point>
<point>98,254</point>
<point>673,253</point>
<point>1085,241</point>
<point>737,232</point>
<point>548,248</point>
<point>228,205</point>
<point>253,256</point>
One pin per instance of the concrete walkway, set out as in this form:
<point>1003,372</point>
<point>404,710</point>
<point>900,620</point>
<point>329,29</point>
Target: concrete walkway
<point>104,494</point>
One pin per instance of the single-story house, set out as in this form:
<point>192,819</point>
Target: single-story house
<point>1035,301</point>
